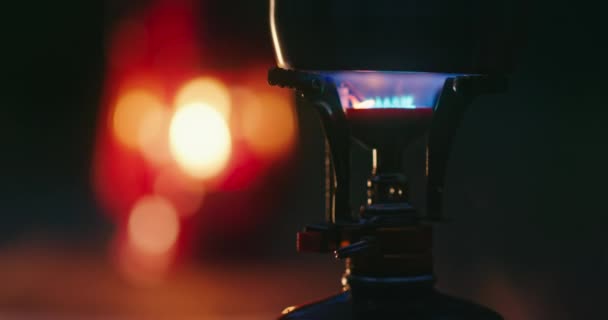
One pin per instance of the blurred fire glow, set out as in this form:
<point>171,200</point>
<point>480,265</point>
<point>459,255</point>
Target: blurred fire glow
<point>200,140</point>
<point>130,112</point>
<point>174,134</point>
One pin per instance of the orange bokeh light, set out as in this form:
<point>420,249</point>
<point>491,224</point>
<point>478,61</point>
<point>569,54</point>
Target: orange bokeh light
<point>130,112</point>
<point>153,226</point>
<point>268,124</point>
<point>153,136</point>
<point>200,140</point>
<point>206,91</point>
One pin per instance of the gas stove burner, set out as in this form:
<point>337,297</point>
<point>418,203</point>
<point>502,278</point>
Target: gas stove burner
<point>443,55</point>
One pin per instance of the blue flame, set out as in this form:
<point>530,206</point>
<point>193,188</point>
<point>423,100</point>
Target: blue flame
<point>388,90</point>
<point>396,102</point>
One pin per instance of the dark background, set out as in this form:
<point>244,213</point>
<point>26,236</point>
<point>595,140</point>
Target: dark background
<point>526,187</point>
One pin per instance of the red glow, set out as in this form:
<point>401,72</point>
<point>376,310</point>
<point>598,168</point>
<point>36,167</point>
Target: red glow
<point>185,193</point>
<point>244,170</point>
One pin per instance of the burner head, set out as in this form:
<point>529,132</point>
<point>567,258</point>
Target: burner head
<point>387,108</point>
